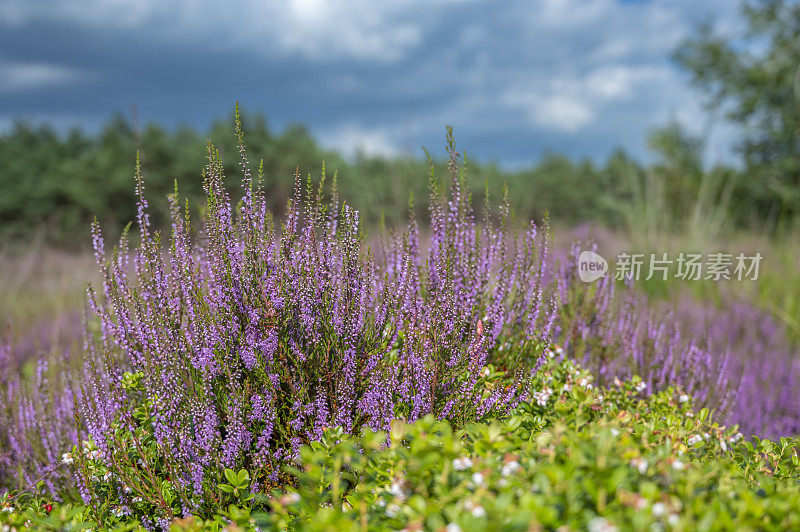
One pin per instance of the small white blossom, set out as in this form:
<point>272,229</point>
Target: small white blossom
<point>398,491</point>
<point>683,398</point>
<point>659,509</point>
<point>8,509</point>
<point>477,479</point>
<point>673,519</point>
<point>107,477</point>
<point>453,527</point>
<point>694,439</point>
<point>67,458</point>
<point>723,445</point>
<point>478,511</point>
<point>641,386</point>
<point>541,397</point>
<point>677,464</point>
<point>485,372</point>
<point>598,524</point>
<point>567,387</point>
<point>640,464</point>
<point>706,435</point>
<point>136,500</point>
<point>614,432</point>
<point>510,468</point>
<point>462,464</point>
<point>392,510</point>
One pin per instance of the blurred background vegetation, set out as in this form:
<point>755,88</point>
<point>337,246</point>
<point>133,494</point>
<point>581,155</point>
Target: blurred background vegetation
<point>52,185</point>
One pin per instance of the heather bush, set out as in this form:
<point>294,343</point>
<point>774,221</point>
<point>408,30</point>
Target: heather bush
<point>242,342</point>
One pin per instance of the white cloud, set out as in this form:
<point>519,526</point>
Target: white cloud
<point>314,29</point>
<point>563,113</point>
<point>591,74</point>
<point>351,139</point>
<point>18,76</point>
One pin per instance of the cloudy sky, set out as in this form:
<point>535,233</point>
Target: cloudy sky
<point>515,77</point>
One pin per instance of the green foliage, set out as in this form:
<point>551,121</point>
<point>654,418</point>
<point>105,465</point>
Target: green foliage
<point>586,458</point>
<point>575,455</point>
<point>752,76</point>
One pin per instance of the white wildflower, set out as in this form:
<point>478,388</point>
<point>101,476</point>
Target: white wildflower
<point>291,498</point>
<point>8,509</point>
<point>659,509</point>
<point>677,464</point>
<point>598,524</point>
<point>67,458</point>
<point>683,398</point>
<point>477,479</point>
<point>393,510</point>
<point>694,439</point>
<point>398,491</point>
<point>510,468</point>
<point>641,386</point>
<point>640,464</point>
<point>462,464</point>
<point>478,511</point>
<point>452,527</point>
<point>673,519</point>
<point>614,432</point>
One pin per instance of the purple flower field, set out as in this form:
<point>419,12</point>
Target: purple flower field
<point>228,343</point>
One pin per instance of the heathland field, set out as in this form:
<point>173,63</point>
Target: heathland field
<point>229,360</point>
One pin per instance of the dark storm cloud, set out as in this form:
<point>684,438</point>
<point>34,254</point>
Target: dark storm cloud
<point>578,76</point>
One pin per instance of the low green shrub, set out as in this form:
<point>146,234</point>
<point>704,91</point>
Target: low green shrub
<point>573,455</point>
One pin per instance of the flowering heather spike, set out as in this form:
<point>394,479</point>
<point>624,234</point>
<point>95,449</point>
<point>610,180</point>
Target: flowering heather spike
<point>246,343</point>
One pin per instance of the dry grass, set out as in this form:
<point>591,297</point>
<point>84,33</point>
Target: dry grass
<point>42,298</point>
